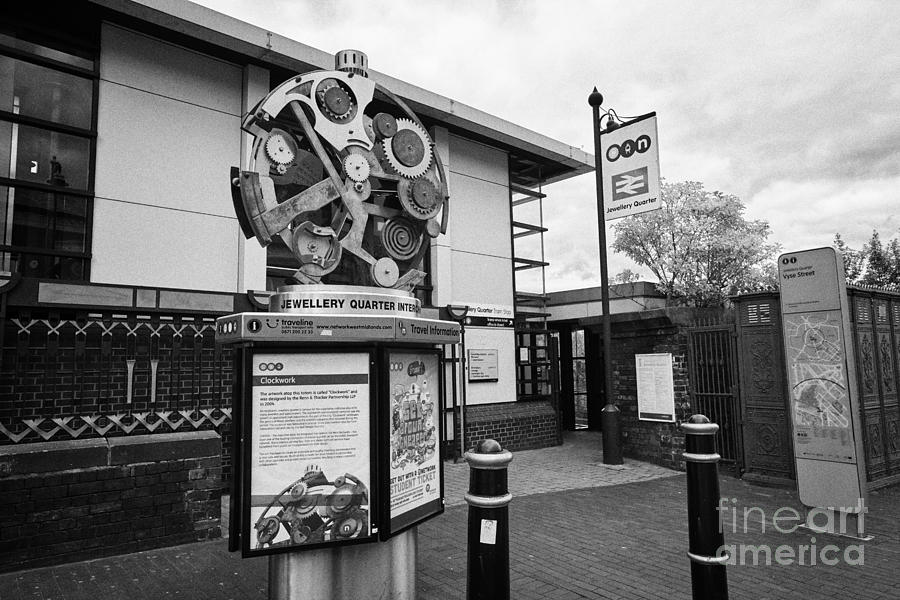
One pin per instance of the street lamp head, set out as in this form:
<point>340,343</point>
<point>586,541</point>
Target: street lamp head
<point>595,99</point>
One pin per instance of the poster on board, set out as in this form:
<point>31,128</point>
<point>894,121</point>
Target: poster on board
<point>655,387</point>
<point>310,472</point>
<point>414,469</point>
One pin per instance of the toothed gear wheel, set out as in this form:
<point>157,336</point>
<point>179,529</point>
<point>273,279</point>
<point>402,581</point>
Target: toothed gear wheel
<point>280,148</point>
<point>335,101</point>
<point>420,198</point>
<point>357,167</point>
<point>409,150</point>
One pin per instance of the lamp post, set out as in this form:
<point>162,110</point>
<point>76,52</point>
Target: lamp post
<point>609,415</point>
<point>458,313</point>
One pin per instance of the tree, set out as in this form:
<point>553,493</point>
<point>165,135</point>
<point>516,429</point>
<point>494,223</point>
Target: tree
<point>699,245</point>
<point>876,264</point>
<point>854,260</point>
<point>627,276</point>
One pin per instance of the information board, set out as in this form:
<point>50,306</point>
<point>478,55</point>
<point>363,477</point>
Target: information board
<point>483,365</point>
<point>655,387</point>
<point>414,469</point>
<point>823,397</point>
<point>310,472</point>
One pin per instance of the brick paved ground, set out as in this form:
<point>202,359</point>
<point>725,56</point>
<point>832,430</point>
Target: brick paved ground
<point>577,534</point>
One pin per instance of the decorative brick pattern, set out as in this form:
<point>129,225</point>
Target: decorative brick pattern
<point>67,501</point>
<point>70,375</point>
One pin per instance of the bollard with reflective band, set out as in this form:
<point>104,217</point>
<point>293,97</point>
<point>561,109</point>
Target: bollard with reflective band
<point>488,540</point>
<point>708,579</point>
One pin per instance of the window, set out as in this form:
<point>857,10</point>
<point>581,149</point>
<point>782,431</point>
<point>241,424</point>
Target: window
<point>48,90</point>
<point>579,379</point>
<point>533,364</point>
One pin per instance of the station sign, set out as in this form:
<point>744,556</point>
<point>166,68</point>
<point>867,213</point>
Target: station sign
<point>490,315</point>
<point>630,164</point>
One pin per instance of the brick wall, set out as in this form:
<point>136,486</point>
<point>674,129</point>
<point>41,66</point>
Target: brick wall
<point>74,500</point>
<point>660,443</point>
<point>65,376</point>
<point>516,425</point>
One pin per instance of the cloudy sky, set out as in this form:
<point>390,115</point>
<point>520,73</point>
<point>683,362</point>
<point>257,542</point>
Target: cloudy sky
<point>792,106</point>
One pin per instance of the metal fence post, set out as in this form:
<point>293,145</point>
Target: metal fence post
<point>708,579</point>
<point>488,537</point>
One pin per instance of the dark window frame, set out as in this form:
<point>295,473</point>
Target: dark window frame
<point>18,252</point>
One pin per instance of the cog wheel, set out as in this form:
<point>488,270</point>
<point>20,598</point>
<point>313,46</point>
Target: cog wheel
<point>267,529</point>
<point>281,148</point>
<point>408,151</point>
<point>385,272</point>
<point>420,198</point>
<point>357,167</point>
<point>335,100</point>
<point>351,525</point>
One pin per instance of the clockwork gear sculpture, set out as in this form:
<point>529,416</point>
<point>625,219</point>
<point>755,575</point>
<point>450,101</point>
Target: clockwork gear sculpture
<point>342,179</point>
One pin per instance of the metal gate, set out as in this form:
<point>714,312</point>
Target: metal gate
<point>713,379</point>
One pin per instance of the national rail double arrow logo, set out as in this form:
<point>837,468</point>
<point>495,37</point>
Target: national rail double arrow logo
<point>630,183</point>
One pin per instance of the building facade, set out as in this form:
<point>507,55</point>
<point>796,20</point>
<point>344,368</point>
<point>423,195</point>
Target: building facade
<point>119,122</point>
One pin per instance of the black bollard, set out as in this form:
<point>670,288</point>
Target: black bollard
<point>609,426</point>
<point>708,579</point>
<point>488,498</point>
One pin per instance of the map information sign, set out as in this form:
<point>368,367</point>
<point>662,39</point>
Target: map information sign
<point>821,381</point>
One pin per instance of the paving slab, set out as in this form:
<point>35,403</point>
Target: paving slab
<point>578,530</point>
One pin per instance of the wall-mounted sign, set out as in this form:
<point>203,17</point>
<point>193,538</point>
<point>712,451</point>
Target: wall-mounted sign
<point>490,315</point>
<point>821,380</point>
<point>310,474</point>
<point>414,464</point>
<point>655,387</point>
<point>630,162</point>
<point>483,365</point>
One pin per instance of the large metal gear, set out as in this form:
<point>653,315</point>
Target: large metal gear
<point>280,147</point>
<point>346,176</point>
<point>408,151</point>
<point>356,167</point>
<point>335,101</point>
<point>420,198</point>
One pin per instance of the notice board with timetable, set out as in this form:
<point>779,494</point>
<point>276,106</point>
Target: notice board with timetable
<point>655,387</point>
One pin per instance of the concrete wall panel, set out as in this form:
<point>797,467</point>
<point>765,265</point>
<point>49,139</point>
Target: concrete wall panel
<point>167,154</point>
<point>144,63</point>
<point>502,340</point>
<point>151,246</point>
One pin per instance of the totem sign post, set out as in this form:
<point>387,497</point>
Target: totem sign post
<point>824,399</point>
<point>338,390</point>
